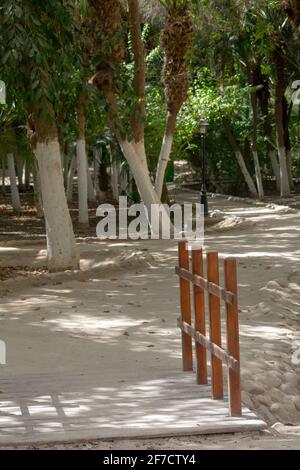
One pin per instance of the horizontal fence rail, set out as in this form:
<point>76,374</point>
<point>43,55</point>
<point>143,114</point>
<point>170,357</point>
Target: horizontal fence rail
<point>229,294</point>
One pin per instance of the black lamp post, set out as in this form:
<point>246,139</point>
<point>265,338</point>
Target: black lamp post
<point>203,131</point>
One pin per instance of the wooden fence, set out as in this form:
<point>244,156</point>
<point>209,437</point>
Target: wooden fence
<point>213,343</point>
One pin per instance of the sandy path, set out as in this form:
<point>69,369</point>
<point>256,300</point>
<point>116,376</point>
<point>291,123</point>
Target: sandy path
<point>57,322</point>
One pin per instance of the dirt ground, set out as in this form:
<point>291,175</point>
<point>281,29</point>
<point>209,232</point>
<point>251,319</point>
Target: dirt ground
<point>132,288</point>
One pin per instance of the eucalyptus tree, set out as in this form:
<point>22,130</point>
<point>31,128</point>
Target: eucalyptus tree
<point>34,35</point>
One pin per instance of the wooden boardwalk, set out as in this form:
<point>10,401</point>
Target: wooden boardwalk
<point>112,404</point>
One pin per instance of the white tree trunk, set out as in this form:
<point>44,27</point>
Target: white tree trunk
<point>142,177</point>
<point>70,183</point>
<point>284,176</point>
<point>246,174</point>
<point>15,198</point>
<point>61,245</point>
<point>83,217</point>
<point>258,176</point>
<point>139,148</point>
<point>91,191</point>
<point>163,160</point>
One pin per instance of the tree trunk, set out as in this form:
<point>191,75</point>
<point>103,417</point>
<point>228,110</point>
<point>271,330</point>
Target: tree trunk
<point>103,181</point>
<point>254,147</point>
<point>239,156</point>
<point>3,176</point>
<point>97,157</point>
<point>279,117</point>
<point>123,180</point>
<point>66,167</point>
<point>37,191</point>
<point>286,119</point>
<point>114,175</point>
<point>61,245</point>
<point>165,152</point>
<point>83,217</point>
<point>91,191</point>
<point>142,178</point>
<point>20,172</point>
<point>15,198</point>
<point>70,182</point>
<point>27,175</point>
<point>264,97</point>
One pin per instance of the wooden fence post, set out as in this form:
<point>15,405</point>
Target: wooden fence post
<point>185,300</point>
<point>233,346</point>
<point>201,357</point>
<point>215,326</point>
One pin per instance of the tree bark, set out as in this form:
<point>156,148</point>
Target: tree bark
<point>83,216</point>
<point>286,120</point>
<point>165,152</point>
<point>61,245</point>
<point>103,181</point>
<point>97,158</point>
<point>70,182</point>
<point>20,173</point>
<point>279,117</point>
<point>3,176</point>
<point>37,191</point>
<point>114,174</point>
<point>239,156</point>
<point>91,191</point>
<point>15,198</point>
<point>66,166</point>
<point>142,178</point>
<point>264,96</point>
<point>254,147</point>
<point>27,175</point>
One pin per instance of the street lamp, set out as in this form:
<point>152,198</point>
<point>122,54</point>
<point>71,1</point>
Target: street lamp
<point>203,131</point>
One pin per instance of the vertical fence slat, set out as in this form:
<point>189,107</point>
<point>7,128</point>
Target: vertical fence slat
<point>201,357</point>
<point>215,326</point>
<point>185,300</point>
<point>233,345</point>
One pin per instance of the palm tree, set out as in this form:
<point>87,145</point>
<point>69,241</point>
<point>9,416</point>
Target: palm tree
<point>128,123</point>
<point>292,8</point>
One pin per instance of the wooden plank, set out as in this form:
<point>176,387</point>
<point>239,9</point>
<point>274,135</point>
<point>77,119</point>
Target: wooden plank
<point>215,326</point>
<point>233,343</point>
<point>215,350</point>
<point>114,410</point>
<point>92,432</point>
<point>211,287</point>
<point>185,300</point>
<point>201,358</point>
<point>80,379</point>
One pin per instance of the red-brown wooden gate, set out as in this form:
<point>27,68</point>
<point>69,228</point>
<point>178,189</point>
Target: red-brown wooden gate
<point>213,342</point>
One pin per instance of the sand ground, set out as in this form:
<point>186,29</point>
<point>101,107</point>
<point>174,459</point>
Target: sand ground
<point>121,311</point>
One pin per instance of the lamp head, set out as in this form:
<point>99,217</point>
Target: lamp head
<point>203,126</point>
